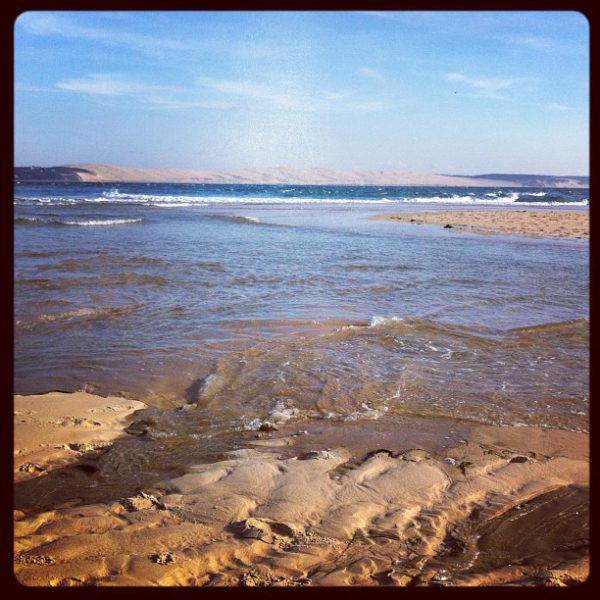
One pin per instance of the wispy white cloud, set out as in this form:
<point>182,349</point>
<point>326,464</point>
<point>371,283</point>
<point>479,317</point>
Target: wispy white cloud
<point>370,73</point>
<point>214,93</point>
<point>558,107</point>
<point>100,84</point>
<point>535,42</point>
<point>187,45</point>
<point>241,88</point>
<point>104,85</point>
<point>539,43</point>
<point>338,95</point>
<point>504,28</point>
<point>26,87</point>
<point>384,14</point>
<point>403,16</point>
<point>484,87</point>
<point>279,96</point>
<point>46,24</point>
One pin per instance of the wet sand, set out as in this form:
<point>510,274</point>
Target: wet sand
<point>507,506</point>
<point>55,429</point>
<point>546,223</point>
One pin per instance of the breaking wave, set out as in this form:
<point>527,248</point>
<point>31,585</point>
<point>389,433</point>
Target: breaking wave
<point>323,196</point>
<point>40,221</point>
<point>80,314</point>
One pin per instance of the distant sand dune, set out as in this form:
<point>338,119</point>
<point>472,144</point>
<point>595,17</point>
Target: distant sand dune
<point>274,176</point>
<point>284,175</point>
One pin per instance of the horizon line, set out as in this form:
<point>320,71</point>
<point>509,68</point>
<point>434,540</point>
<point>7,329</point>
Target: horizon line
<point>352,170</point>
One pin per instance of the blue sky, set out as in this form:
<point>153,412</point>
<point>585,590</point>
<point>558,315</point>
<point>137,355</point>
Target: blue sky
<point>442,92</point>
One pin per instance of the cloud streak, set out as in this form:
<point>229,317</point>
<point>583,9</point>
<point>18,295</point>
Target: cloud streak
<point>219,94</point>
<point>110,85</point>
<point>558,107</point>
<point>100,84</point>
<point>44,24</point>
<point>534,42</point>
<point>282,97</point>
<point>484,87</point>
<point>370,73</point>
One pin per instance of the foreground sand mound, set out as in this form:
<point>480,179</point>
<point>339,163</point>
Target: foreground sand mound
<point>55,429</point>
<point>509,506</point>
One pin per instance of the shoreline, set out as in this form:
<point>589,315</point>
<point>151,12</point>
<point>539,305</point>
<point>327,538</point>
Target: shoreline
<point>527,223</point>
<point>467,515</point>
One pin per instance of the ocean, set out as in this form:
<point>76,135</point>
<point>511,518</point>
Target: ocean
<point>286,307</point>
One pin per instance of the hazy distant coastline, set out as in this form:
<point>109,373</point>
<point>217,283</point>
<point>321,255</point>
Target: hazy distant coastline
<point>285,175</point>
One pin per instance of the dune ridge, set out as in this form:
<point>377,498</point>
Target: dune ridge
<point>284,175</point>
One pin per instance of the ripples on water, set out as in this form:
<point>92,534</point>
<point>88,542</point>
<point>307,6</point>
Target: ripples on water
<point>287,306</point>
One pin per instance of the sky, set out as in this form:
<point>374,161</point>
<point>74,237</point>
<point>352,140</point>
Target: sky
<point>432,92</point>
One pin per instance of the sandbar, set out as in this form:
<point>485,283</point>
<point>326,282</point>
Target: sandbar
<point>530,223</point>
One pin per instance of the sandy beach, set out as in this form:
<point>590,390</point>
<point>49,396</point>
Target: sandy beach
<point>52,430</point>
<point>531,223</point>
<point>506,506</point>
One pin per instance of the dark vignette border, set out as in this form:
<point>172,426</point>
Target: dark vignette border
<point>9,14</point>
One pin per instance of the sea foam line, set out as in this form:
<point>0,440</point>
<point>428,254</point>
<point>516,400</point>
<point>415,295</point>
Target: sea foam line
<point>183,201</point>
<point>104,222</point>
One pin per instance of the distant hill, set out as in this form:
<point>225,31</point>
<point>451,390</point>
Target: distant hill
<point>283,175</point>
<point>539,180</point>
<point>32,174</point>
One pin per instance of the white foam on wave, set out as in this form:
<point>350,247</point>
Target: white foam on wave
<point>368,413</point>
<point>468,199</point>
<point>105,222</point>
<point>51,200</point>
<point>379,320</point>
<point>498,198</point>
<point>251,424</point>
<point>201,200</point>
<point>277,416</point>
<point>583,202</point>
<point>280,414</point>
<point>171,204</point>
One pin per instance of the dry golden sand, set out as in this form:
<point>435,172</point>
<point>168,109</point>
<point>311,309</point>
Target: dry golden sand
<point>54,429</point>
<point>508,506</point>
<point>538,223</point>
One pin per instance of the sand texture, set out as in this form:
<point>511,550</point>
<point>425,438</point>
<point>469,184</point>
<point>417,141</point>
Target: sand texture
<point>531,223</point>
<point>55,429</point>
<point>508,506</point>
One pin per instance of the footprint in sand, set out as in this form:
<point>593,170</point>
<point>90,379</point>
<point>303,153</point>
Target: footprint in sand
<point>163,558</point>
<point>34,560</point>
<point>77,421</point>
<point>30,468</point>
